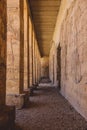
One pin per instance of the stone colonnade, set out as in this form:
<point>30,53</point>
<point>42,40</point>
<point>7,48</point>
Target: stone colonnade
<point>19,53</point>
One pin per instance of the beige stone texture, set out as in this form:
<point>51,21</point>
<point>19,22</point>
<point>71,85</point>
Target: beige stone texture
<point>33,58</point>
<point>17,100</point>
<point>26,42</point>
<point>71,33</point>
<point>35,62</point>
<point>38,64</point>
<point>73,56</point>
<point>15,47</point>
<point>30,53</point>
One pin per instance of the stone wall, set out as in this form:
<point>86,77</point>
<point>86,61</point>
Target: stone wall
<point>74,56</point>
<point>71,33</point>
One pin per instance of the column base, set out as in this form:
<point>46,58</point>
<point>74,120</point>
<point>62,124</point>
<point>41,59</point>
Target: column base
<point>7,117</point>
<point>32,88</point>
<point>16,99</point>
<point>26,99</point>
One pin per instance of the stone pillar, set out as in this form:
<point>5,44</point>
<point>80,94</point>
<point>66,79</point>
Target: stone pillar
<point>33,59</point>
<point>36,66</point>
<point>7,113</point>
<point>28,61</point>
<point>26,54</point>
<point>26,33</point>
<point>30,53</point>
<point>35,63</point>
<point>38,69</point>
<point>21,51</point>
<point>15,53</point>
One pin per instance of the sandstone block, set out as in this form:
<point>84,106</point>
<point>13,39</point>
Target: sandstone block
<point>16,99</point>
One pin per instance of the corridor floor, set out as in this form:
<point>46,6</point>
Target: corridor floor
<point>48,110</point>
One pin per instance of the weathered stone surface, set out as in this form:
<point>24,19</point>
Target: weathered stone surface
<point>16,100</point>
<point>26,47</point>
<point>71,34</point>
<point>15,48</point>
<point>13,41</point>
<point>21,52</point>
<point>7,113</point>
<point>35,62</point>
<point>74,55</point>
<point>33,57</point>
<point>30,53</point>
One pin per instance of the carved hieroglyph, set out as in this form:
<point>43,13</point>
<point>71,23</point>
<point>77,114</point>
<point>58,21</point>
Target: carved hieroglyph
<point>74,56</point>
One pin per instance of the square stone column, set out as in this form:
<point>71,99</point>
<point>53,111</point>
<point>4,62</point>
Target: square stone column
<point>36,82</point>
<point>15,46</point>
<point>39,70</point>
<point>36,71</point>
<point>7,113</point>
<point>36,64</point>
<point>33,58</point>
<point>26,42</point>
<point>15,53</point>
<point>30,53</point>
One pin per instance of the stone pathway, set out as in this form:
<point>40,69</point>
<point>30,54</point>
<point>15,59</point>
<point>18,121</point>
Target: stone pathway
<point>48,110</point>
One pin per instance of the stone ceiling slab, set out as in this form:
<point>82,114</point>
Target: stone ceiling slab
<point>44,14</point>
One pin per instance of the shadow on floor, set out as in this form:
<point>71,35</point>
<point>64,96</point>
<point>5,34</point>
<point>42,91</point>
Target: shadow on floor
<point>17,127</point>
<point>36,104</point>
<point>49,110</point>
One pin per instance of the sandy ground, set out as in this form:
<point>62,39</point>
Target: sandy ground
<point>48,110</point>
